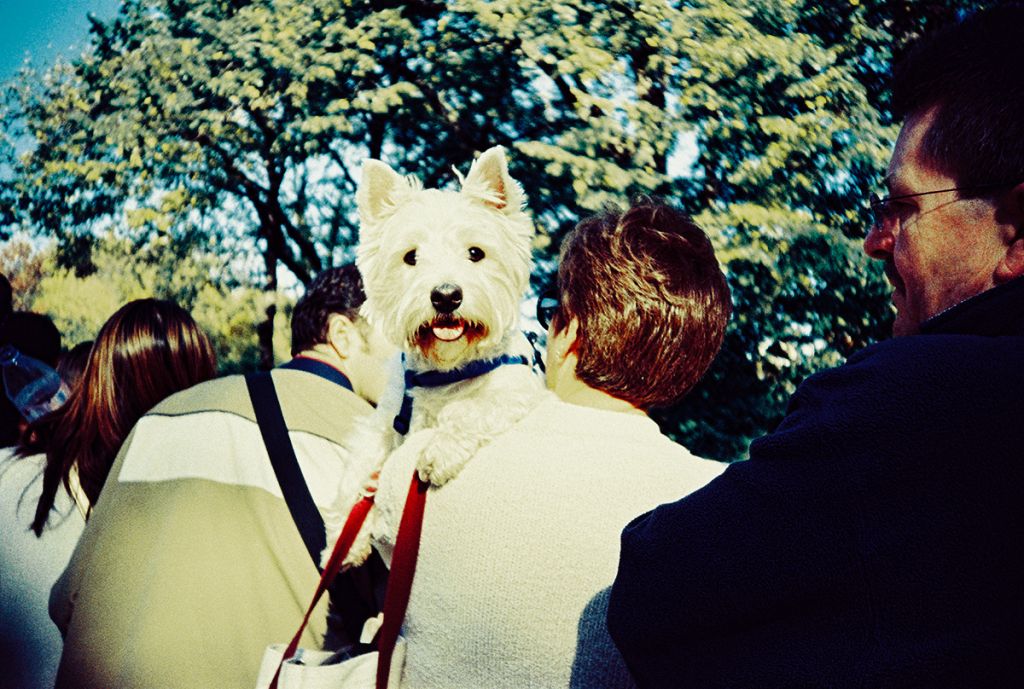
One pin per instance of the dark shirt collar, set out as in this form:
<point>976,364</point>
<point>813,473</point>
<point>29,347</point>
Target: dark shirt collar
<point>994,312</point>
<point>319,368</point>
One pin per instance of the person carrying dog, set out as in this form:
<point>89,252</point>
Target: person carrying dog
<point>518,550</point>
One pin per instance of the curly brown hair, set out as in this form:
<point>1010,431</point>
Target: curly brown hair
<point>335,290</point>
<point>650,299</point>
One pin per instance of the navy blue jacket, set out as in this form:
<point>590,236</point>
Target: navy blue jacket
<point>873,540</point>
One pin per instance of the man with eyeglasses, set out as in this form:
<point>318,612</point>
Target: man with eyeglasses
<point>872,540</point>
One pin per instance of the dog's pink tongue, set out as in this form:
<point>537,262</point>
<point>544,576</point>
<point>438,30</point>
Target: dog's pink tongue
<point>449,334</point>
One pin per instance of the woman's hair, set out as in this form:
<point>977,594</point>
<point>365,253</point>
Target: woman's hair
<point>650,299</point>
<point>146,351</point>
<point>71,364</point>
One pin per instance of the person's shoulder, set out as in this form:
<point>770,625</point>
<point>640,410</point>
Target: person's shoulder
<point>18,473</point>
<point>218,394</point>
<point>231,394</point>
<point>317,406</point>
<point>939,361</point>
<point>672,467</point>
<point>937,347</point>
<point>293,384</point>
<point>606,442</point>
<point>576,424</point>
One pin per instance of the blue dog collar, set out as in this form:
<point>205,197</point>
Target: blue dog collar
<point>434,379</point>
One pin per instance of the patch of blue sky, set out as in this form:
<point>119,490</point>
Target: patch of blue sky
<point>44,30</point>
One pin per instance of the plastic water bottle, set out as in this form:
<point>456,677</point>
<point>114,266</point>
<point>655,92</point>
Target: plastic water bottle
<point>34,388</point>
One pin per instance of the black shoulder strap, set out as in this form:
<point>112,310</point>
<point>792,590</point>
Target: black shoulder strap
<point>286,466</point>
<point>356,594</point>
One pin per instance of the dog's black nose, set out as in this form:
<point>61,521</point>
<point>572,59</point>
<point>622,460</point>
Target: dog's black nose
<point>446,298</point>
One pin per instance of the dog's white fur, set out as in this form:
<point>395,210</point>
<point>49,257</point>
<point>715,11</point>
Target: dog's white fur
<point>451,422</point>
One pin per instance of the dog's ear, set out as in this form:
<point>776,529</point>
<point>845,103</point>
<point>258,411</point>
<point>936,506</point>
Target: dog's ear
<point>378,187</point>
<point>488,180</point>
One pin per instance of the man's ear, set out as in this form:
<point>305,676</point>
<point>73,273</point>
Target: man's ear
<point>1011,266</point>
<point>342,334</point>
<point>572,331</point>
<point>566,340</point>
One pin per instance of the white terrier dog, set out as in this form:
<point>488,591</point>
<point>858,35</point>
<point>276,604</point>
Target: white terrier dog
<point>444,274</point>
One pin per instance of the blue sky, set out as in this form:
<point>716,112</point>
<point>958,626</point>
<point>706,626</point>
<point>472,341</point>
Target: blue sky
<point>46,29</point>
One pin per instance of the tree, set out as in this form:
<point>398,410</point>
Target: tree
<point>767,120</point>
<point>194,108</point>
<point>24,268</point>
<point>790,105</point>
<point>192,276</point>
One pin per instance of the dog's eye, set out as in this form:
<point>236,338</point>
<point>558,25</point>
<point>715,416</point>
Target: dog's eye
<point>410,257</point>
<point>476,254</point>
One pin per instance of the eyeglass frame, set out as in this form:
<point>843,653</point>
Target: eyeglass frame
<point>877,203</point>
<point>545,313</point>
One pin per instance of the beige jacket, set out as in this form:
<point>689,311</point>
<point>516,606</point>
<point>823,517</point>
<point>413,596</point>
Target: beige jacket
<point>190,563</point>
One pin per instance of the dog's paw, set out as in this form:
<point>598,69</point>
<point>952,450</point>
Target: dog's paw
<point>362,546</point>
<point>443,457</point>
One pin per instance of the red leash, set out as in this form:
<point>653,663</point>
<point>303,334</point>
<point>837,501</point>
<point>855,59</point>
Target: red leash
<point>403,568</point>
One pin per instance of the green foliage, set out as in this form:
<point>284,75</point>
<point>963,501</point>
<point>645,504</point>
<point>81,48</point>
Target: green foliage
<point>248,119</point>
<point>231,319</point>
<point>79,306</point>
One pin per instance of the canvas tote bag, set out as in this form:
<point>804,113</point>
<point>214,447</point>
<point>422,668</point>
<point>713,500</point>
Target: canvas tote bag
<point>289,667</point>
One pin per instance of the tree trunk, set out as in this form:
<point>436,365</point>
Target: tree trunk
<point>265,330</point>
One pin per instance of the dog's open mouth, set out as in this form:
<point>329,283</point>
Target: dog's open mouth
<point>448,333</point>
<point>447,328</point>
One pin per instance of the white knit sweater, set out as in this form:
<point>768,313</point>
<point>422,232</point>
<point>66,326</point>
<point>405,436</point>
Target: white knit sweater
<point>519,550</point>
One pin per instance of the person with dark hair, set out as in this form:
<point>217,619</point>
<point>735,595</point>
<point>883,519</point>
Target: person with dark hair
<point>34,335</point>
<point>146,351</point>
<point>333,292</point>
<point>518,551</point>
<point>871,540</point>
<point>326,320</point>
<point>191,562</point>
<point>71,364</point>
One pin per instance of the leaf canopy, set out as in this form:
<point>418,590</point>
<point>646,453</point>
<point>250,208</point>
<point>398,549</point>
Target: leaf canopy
<point>243,123</point>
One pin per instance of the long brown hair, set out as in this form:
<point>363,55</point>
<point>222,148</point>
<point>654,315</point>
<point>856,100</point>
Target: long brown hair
<point>146,351</point>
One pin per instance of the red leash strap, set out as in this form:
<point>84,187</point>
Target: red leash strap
<point>344,543</point>
<point>403,568</point>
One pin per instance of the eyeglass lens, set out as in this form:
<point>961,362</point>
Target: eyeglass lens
<point>882,209</point>
<point>879,209</point>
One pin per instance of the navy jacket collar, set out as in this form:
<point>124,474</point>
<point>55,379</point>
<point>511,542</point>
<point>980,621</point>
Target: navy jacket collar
<point>995,312</point>
<point>319,368</point>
